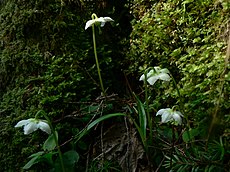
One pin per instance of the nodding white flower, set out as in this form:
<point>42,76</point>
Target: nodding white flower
<point>31,125</point>
<point>101,20</point>
<point>157,73</point>
<point>170,115</point>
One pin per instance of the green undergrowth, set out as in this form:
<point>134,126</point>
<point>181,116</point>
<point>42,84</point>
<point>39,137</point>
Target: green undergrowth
<point>190,39</point>
<point>47,63</point>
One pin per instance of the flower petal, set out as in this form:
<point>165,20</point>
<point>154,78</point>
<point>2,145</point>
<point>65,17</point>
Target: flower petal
<point>44,127</point>
<point>160,112</point>
<point>152,77</point>
<point>142,78</point>
<point>151,73</point>
<point>103,20</point>
<point>108,19</point>
<point>89,24</point>
<point>22,123</point>
<point>166,116</point>
<point>177,118</point>
<point>164,76</point>
<point>179,113</point>
<point>165,70</point>
<point>30,127</point>
<point>100,19</point>
<point>151,80</point>
<point>102,24</point>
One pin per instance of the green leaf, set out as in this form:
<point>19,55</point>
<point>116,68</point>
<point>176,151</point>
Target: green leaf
<point>95,122</point>
<point>49,157</point>
<point>82,145</point>
<point>142,117</point>
<point>50,143</point>
<point>70,158</point>
<point>33,161</point>
<point>176,52</point>
<point>189,135</point>
<point>37,154</point>
<point>39,157</point>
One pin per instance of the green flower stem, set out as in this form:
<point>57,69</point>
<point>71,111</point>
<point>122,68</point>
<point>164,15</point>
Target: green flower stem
<point>55,139</point>
<point>147,110</point>
<point>172,147</point>
<point>181,106</point>
<point>58,147</point>
<point>95,54</point>
<point>180,101</point>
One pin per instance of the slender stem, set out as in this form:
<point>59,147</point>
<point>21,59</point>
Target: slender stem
<point>54,134</point>
<point>178,92</point>
<point>180,101</point>
<point>95,54</point>
<point>56,141</point>
<point>172,148</point>
<point>149,124</point>
<point>147,110</point>
<point>182,107</point>
<point>59,150</point>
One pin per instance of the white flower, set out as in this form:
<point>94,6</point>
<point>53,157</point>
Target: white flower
<point>154,74</point>
<point>170,115</point>
<point>101,20</point>
<point>31,125</point>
